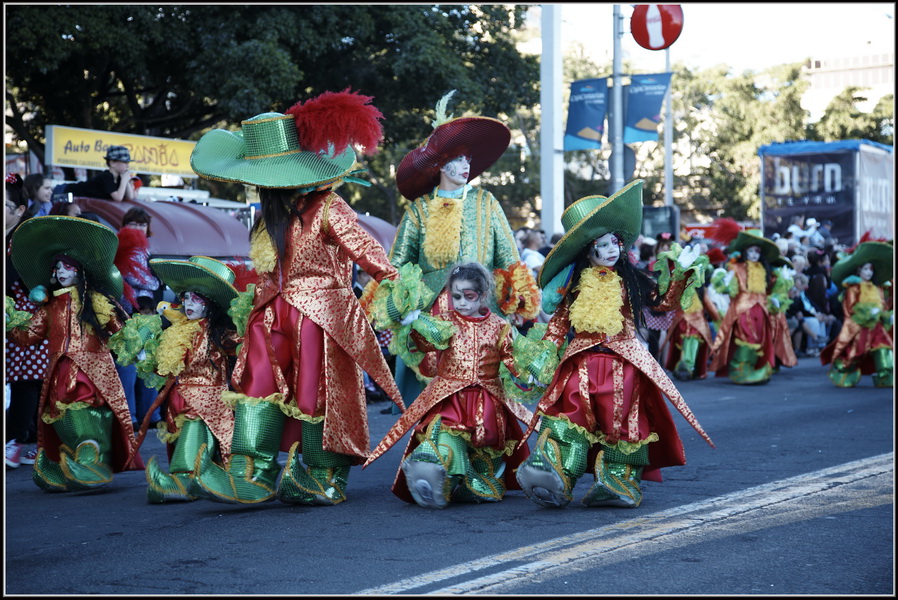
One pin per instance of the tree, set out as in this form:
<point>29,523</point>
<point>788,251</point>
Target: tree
<point>178,70</point>
<point>843,120</point>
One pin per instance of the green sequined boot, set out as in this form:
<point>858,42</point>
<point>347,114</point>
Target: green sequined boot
<point>252,470</point>
<point>742,367</point>
<point>47,474</point>
<point>885,364</point>
<point>323,481</point>
<point>484,480</point>
<point>844,375</point>
<point>89,431</point>
<point>685,367</point>
<point>617,478</point>
<point>194,437</point>
<point>435,466</point>
<point>558,460</point>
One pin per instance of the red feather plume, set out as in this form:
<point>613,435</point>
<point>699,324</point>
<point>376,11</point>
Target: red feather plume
<point>243,275</point>
<point>339,118</point>
<point>724,230</point>
<point>716,255</point>
<point>866,237</point>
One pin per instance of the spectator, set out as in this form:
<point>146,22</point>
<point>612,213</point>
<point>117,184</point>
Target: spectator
<point>809,335</point>
<point>65,209</point>
<point>25,366</point>
<point>533,240</point>
<point>115,183</point>
<point>519,236</point>
<point>132,257</point>
<point>40,194</point>
<point>815,237</point>
<point>551,244</point>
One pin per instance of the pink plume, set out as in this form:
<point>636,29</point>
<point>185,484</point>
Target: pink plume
<point>342,119</point>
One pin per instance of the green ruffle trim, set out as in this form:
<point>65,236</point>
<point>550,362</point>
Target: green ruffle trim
<point>864,315</point>
<point>140,332</point>
<point>718,277</point>
<point>600,437</point>
<point>232,398</point>
<point>16,319</point>
<point>62,408</point>
<point>394,299</point>
<point>534,355</point>
<point>241,307</point>
<point>507,450</point>
<point>669,270</point>
<point>780,291</point>
<point>744,344</point>
<point>851,280</point>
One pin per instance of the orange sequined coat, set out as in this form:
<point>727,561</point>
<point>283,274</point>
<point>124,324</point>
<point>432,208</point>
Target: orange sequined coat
<point>76,345</point>
<point>196,391</point>
<point>854,342</point>
<point>633,368</point>
<point>747,309</point>
<point>472,359</point>
<point>315,281</point>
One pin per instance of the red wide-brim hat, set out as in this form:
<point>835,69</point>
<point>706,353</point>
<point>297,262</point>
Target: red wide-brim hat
<point>482,138</point>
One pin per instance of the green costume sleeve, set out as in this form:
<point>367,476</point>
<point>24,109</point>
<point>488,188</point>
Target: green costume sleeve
<point>406,247</point>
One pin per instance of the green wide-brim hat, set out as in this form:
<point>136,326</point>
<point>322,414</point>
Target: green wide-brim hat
<point>38,240</point>
<point>592,217</point>
<point>200,274</point>
<point>752,237</point>
<point>266,153</point>
<point>879,254</point>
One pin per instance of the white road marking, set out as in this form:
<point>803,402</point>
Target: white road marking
<point>791,499</point>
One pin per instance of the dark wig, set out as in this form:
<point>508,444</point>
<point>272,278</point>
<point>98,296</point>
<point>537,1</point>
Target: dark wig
<point>278,207</point>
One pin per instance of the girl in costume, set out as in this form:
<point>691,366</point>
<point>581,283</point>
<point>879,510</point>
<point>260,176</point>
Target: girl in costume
<point>84,433</point>
<point>864,344</point>
<point>298,377</point>
<point>465,426</point>
<point>753,338</point>
<point>689,339</point>
<point>190,360</point>
<point>604,409</point>
<point>450,221</point>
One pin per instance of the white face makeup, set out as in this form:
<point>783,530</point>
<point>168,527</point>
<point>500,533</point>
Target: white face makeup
<point>465,299</point>
<point>66,275</point>
<point>866,271</point>
<point>194,306</point>
<point>753,253</point>
<point>455,173</point>
<point>605,251</point>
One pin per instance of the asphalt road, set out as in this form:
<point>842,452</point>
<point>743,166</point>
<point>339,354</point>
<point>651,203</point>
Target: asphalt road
<point>797,498</point>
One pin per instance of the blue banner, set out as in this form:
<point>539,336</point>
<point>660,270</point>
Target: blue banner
<point>586,115</point>
<point>644,99</point>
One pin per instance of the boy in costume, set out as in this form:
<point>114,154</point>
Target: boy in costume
<point>605,407</point>
<point>864,344</point>
<point>189,361</point>
<point>84,430</point>
<point>298,378</point>
<point>465,424</point>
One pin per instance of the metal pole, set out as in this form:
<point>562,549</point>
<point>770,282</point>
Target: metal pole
<point>668,136</point>
<point>617,98</point>
<point>551,164</point>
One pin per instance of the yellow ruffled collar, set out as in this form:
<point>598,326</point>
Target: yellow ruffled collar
<point>597,308</point>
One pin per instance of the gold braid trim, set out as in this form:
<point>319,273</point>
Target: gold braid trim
<point>442,242</point>
<point>262,251</point>
<point>173,346</point>
<point>598,307</point>
<point>757,278</point>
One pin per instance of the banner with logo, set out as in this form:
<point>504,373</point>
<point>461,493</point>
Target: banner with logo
<point>644,98</point>
<point>586,115</point>
<point>85,148</point>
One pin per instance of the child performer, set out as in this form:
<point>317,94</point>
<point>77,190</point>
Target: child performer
<point>84,430</point>
<point>465,427</point>
<point>297,383</point>
<point>191,358</point>
<point>864,344</point>
<point>604,409</point>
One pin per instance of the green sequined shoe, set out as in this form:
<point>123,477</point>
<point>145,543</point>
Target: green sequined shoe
<point>742,367</point>
<point>179,485</point>
<point>884,363</point>
<point>542,477</point>
<point>685,367</point>
<point>47,474</point>
<point>484,480</point>
<point>844,375</point>
<point>617,483</point>
<point>323,486</point>
<point>427,469</point>
<point>86,470</point>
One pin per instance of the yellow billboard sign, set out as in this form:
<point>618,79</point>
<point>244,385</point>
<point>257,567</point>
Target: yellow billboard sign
<point>85,148</point>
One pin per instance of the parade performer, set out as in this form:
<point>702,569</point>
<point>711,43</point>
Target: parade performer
<point>463,448</point>
<point>689,339</point>
<point>604,409</point>
<point>84,432</point>
<point>189,360</point>
<point>748,348</point>
<point>864,344</point>
<point>298,377</point>
<point>451,221</point>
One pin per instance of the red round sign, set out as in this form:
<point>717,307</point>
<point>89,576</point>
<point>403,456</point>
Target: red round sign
<point>656,26</point>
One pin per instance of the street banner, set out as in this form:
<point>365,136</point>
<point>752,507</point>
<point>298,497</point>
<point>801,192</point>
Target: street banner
<point>586,115</point>
<point>85,148</point>
<point>644,98</point>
